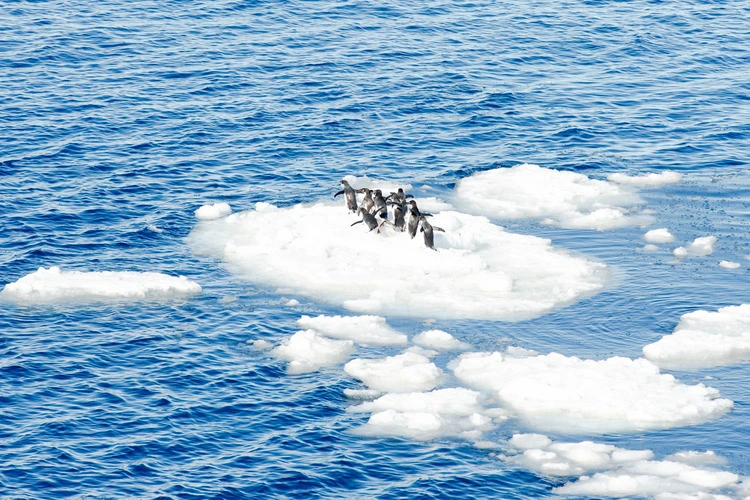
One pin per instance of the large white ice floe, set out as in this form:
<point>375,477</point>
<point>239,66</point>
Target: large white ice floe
<point>608,471</point>
<point>703,339</point>
<point>367,330</point>
<point>427,415</point>
<point>480,271</point>
<point>556,393</point>
<point>48,285</point>
<point>308,351</point>
<point>559,198</point>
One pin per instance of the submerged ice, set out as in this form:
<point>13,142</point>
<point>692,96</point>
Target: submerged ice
<point>480,271</point>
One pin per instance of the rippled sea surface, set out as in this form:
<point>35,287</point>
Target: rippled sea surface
<point>119,119</point>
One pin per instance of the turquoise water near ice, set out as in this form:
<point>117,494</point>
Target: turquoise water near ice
<point>119,119</point>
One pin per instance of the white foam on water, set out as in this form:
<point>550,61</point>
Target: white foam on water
<point>406,372</point>
<point>661,235</point>
<point>47,285</point>
<point>727,264</point>
<point>559,198</point>
<point>440,340</point>
<point>704,339</point>
<point>212,212</point>
<point>260,345</point>
<point>479,272</point>
<point>556,393</point>
<point>366,330</point>
<point>619,472</point>
<point>308,351</point>
<point>651,180</point>
<point>702,246</point>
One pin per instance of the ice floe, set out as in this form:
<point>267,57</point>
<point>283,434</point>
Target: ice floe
<point>567,394</point>
<point>608,471</point>
<point>406,372</point>
<point>661,235</point>
<point>54,285</point>
<point>703,339</point>
<point>368,330</point>
<point>651,180</point>
<point>308,351</point>
<point>480,271</point>
<point>702,246</point>
<point>215,211</point>
<point>727,264</point>
<point>440,340</point>
<point>426,415</point>
<point>680,252</point>
<point>560,198</point>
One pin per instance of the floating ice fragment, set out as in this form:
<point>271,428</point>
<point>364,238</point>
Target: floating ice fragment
<point>680,252</point>
<point>406,372</point>
<point>568,394</point>
<point>212,212</point>
<point>702,246</point>
<point>562,198</point>
<point>307,351</point>
<point>703,339</point>
<point>650,248</point>
<point>650,180</point>
<point>440,340</point>
<point>726,264</point>
<point>260,345</point>
<point>292,302</point>
<point>53,285</point>
<point>659,236</point>
<point>369,330</point>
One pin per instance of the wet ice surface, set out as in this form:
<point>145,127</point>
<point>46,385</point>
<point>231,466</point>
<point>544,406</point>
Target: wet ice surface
<point>49,285</point>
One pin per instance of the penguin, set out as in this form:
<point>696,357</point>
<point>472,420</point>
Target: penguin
<point>349,194</point>
<point>367,201</point>
<point>399,197</point>
<point>381,208</point>
<point>414,215</point>
<point>368,219</point>
<point>427,229</point>
<point>398,218</point>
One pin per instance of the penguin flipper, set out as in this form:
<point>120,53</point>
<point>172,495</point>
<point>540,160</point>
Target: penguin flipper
<point>340,192</point>
<point>435,228</point>
<point>355,222</point>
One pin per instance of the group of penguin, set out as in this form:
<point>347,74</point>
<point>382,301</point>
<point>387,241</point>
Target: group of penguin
<point>374,210</point>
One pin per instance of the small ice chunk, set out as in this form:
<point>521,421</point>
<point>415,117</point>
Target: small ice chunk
<point>292,302</point>
<point>308,351</point>
<point>519,352</point>
<point>567,394</point>
<point>440,340</point>
<point>452,401</point>
<point>650,180</point>
<point>702,246</point>
<point>680,252</point>
<point>405,372</point>
<point>260,345</point>
<point>659,236</point>
<point>704,339</point>
<point>213,212</point>
<point>427,353</point>
<point>228,299</point>
<point>54,285</point>
<point>650,248</point>
<point>369,330</point>
<point>726,264</point>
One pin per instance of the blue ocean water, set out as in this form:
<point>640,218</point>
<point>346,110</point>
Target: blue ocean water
<point>119,119</point>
